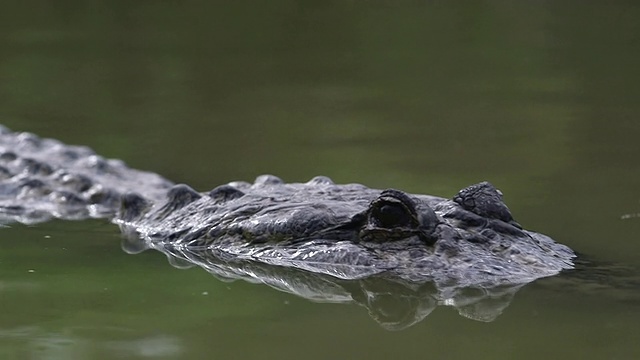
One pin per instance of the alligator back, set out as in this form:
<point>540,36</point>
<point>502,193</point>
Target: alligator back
<point>42,179</point>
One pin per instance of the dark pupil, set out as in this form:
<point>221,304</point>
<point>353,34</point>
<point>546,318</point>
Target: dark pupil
<point>391,215</point>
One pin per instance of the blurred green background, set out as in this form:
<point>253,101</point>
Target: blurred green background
<point>538,97</point>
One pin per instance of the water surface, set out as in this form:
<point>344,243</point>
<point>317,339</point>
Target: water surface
<point>538,98</point>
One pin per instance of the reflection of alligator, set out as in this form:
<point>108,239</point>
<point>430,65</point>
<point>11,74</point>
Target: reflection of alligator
<point>345,231</point>
<point>394,303</point>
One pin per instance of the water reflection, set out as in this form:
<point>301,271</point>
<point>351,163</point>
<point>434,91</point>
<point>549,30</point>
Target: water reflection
<point>158,346</point>
<point>73,343</point>
<point>394,303</point>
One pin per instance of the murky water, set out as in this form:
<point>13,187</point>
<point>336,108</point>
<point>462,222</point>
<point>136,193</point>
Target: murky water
<point>539,98</point>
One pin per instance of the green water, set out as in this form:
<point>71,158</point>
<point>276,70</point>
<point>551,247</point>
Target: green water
<point>540,98</point>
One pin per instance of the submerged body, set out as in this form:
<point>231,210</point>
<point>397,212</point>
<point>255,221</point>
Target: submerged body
<point>346,231</point>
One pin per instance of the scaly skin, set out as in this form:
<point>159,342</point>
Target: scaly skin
<point>346,231</point>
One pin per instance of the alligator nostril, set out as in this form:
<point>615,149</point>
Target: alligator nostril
<point>485,200</point>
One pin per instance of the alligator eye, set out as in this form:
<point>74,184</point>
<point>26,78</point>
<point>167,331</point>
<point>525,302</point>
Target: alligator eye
<point>392,209</point>
<point>393,216</point>
<point>389,215</point>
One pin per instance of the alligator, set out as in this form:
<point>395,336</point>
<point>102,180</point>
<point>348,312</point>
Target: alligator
<point>351,231</point>
<point>347,232</point>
